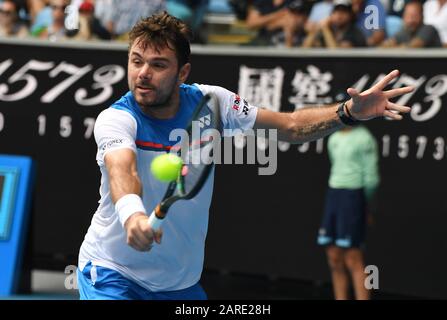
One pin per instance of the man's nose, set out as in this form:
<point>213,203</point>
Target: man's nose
<point>145,72</point>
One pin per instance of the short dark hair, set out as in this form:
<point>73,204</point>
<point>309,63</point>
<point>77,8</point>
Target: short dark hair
<point>163,30</point>
<point>415,2</point>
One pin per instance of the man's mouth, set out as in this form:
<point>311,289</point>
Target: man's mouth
<point>145,89</point>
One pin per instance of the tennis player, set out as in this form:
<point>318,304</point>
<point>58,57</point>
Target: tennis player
<point>114,262</point>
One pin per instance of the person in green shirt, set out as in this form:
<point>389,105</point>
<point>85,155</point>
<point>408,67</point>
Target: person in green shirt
<point>353,181</point>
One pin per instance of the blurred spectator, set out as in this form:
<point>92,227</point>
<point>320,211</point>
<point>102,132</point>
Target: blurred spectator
<point>414,34</point>
<point>89,26</point>
<point>394,22</point>
<point>266,16</point>
<point>293,27</point>
<point>396,7</point>
<point>320,11</point>
<point>36,6</point>
<point>371,20</point>
<point>43,17</point>
<point>190,11</point>
<point>56,30</point>
<point>337,31</point>
<point>23,12</point>
<point>10,26</point>
<point>435,14</point>
<point>125,13</point>
<point>104,14</point>
<point>86,10</point>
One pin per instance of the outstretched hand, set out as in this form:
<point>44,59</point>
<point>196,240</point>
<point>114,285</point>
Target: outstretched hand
<point>374,102</point>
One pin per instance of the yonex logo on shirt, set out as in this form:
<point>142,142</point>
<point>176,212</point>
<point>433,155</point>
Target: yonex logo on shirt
<point>111,143</point>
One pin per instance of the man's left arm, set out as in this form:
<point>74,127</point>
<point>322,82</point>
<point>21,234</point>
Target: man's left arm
<point>304,125</point>
<point>316,122</point>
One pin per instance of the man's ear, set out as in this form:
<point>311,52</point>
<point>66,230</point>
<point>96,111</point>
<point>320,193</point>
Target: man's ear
<point>184,73</point>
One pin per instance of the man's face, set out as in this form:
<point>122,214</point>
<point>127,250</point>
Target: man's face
<point>152,75</point>
<point>7,13</point>
<point>412,17</point>
<point>58,9</point>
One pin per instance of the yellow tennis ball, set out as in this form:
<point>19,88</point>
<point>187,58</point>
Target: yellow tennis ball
<point>166,167</point>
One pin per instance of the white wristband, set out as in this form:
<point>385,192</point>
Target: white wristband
<point>127,206</point>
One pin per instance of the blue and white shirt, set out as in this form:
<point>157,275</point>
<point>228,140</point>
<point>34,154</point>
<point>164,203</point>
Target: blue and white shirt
<point>177,262</point>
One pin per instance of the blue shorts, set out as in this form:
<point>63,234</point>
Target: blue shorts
<point>344,219</point>
<point>99,283</point>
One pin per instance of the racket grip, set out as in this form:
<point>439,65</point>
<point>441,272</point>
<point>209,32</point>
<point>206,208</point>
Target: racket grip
<point>155,222</point>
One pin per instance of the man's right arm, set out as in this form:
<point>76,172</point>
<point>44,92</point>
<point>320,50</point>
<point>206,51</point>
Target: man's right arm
<point>121,166</point>
<point>126,190</point>
<point>115,134</point>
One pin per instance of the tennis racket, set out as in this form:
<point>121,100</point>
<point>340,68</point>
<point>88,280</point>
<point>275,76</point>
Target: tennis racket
<point>197,153</point>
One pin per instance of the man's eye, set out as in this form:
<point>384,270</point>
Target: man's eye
<point>136,61</point>
<point>159,65</point>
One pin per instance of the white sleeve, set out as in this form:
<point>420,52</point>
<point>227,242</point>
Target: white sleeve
<point>236,112</point>
<point>114,129</point>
